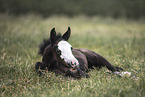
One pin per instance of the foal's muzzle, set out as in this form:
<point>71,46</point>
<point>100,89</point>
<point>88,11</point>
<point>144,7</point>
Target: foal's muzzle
<point>77,73</point>
<point>73,64</point>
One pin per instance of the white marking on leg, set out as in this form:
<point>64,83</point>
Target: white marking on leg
<point>121,74</point>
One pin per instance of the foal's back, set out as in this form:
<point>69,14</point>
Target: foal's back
<point>96,60</point>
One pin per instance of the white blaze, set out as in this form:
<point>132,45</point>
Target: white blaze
<point>66,53</point>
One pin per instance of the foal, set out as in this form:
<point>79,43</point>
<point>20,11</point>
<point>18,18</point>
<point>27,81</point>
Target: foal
<point>61,58</point>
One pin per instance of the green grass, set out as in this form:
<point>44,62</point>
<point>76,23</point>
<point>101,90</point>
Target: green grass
<point>120,41</point>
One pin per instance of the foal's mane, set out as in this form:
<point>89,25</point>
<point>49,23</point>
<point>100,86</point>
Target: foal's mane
<point>45,43</point>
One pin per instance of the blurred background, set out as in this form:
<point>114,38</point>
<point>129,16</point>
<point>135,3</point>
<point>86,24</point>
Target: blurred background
<point>113,8</point>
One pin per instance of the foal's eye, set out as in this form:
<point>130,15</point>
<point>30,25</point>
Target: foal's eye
<point>56,47</point>
<point>58,51</point>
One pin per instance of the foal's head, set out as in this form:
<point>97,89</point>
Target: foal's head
<point>62,50</point>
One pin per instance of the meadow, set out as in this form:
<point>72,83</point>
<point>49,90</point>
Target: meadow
<point>120,41</point>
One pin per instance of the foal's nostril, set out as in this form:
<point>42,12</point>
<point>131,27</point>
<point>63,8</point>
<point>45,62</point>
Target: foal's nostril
<point>74,62</point>
<point>73,70</point>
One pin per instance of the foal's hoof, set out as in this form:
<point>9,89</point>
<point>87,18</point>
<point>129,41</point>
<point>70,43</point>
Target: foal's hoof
<point>87,75</point>
<point>119,69</point>
<point>37,65</point>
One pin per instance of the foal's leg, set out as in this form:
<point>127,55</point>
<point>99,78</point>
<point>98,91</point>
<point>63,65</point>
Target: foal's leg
<point>46,59</point>
<point>41,66</point>
<point>103,62</point>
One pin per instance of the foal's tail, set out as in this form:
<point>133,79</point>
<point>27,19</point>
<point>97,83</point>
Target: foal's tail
<point>45,43</point>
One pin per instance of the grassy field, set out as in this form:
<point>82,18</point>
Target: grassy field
<point>121,41</point>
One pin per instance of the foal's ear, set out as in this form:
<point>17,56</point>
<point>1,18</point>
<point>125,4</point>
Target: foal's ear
<point>66,35</point>
<point>52,34</point>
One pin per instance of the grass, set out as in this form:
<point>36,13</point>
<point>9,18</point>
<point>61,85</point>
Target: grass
<point>121,41</point>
